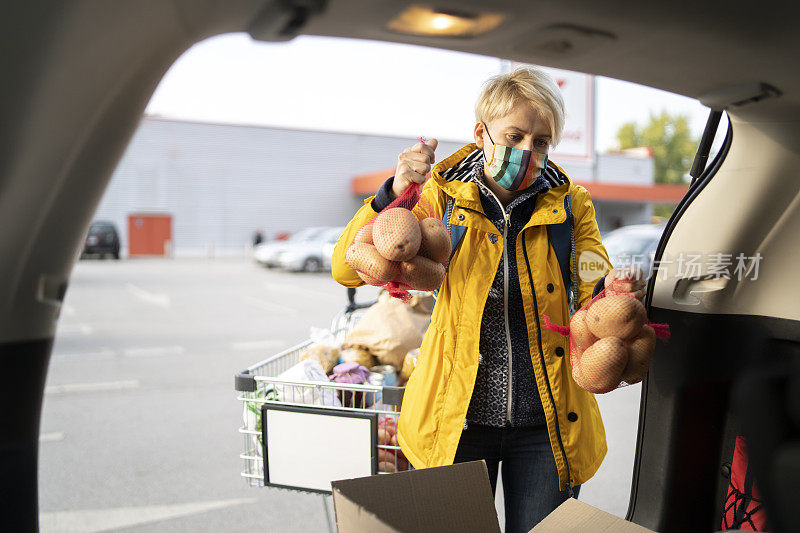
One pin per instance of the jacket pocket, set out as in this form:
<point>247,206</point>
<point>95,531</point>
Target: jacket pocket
<point>424,395</point>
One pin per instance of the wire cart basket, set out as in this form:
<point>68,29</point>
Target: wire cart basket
<point>261,388</point>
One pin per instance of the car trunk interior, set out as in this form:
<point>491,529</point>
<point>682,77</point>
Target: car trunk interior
<point>79,75</point>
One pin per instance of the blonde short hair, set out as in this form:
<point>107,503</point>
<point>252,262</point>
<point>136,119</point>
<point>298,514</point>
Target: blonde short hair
<point>525,84</point>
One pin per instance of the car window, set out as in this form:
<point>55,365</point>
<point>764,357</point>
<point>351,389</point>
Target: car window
<point>306,235</point>
<point>99,229</point>
<point>333,235</point>
<point>629,243</point>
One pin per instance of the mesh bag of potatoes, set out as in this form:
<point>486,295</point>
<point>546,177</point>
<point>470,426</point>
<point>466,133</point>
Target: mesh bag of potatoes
<point>390,456</point>
<point>402,249</point>
<point>611,342</point>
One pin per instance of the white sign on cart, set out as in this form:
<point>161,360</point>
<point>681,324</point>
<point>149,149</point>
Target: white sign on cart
<point>309,450</point>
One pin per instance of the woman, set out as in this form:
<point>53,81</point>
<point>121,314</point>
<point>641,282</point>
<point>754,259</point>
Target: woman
<point>490,382</point>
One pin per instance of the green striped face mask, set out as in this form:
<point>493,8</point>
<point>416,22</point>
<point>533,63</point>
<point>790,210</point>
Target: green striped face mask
<point>514,169</point>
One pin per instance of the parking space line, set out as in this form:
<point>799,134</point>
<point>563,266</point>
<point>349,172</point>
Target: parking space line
<point>51,437</point>
<point>270,306</point>
<point>156,351</point>
<point>153,298</point>
<point>98,386</point>
<point>257,345</point>
<point>85,329</point>
<point>294,290</point>
<point>100,354</point>
<point>115,518</point>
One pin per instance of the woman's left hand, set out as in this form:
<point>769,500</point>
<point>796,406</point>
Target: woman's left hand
<point>629,279</point>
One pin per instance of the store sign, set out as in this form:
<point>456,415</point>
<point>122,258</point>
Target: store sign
<point>578,92</point>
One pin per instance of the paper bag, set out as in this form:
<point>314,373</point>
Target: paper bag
<point>388,330</point>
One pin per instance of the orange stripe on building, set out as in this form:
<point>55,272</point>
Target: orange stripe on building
<point>655,193</point>
<point>367,184</point>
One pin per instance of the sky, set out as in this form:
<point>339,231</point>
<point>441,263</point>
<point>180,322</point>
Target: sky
<point>356,86</point>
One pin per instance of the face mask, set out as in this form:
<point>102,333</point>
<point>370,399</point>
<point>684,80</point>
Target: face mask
<point>512,168</point>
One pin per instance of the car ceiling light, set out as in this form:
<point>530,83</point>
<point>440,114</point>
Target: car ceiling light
<point>423,20</point>
<point>442,22</point>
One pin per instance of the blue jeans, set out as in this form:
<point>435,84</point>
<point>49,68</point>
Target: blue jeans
<point>530,478</point>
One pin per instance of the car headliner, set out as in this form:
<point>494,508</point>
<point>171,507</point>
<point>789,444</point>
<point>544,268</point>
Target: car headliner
<point>686,47</point>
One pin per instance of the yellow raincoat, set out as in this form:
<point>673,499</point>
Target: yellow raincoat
<point>438,393</point>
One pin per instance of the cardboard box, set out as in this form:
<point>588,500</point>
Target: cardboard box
<point>574,516</point>
<point>449,498</point>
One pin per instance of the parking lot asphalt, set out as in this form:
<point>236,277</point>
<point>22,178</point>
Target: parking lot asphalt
<point>140,418</point>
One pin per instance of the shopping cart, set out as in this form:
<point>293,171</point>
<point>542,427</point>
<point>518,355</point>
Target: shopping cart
<point>364,415</point>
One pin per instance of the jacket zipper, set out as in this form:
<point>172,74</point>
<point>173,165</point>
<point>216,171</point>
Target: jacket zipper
<point>507,217</point>
<point>505,310</point>
<point>544,369</point>
<point>570,480</point>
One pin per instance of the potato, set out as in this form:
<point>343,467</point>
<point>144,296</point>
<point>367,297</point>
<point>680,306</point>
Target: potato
<point>384,436</point>
<point>396,234</point>
<point>619,287</point>
<point>579,332</point>
<point>422,273</point>
<point>364,235</point>
<point>366,259</point>
<point>369,280</point>
<point>641,350</point>
<point>387,460</point>
<point>387,432</point>
<point>602,363</point>
<point>575,355</point>
<point>435,243</point>
<point>391,461</point>
<point>409,364</point>
<point>389,421</point>
<point>618,316</point>
<point>327,356</point>
<point>622,284</point>
<point>354,354</point>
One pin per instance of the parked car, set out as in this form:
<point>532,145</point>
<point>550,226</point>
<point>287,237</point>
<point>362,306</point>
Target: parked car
<point>635,244</point>
<point>327,252</point>
<point>308,255</point>
<point>102,240</point>
<point>267,253</point>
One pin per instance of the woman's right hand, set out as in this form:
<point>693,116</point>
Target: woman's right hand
<point>412,165</point>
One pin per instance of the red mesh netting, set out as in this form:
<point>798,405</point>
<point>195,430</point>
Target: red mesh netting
<point>744,509</point>
<point>402,247</point>
<point>390,456</point>
<point>611,342</point>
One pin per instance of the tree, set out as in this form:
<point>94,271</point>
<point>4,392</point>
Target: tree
<point>671,141</point>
